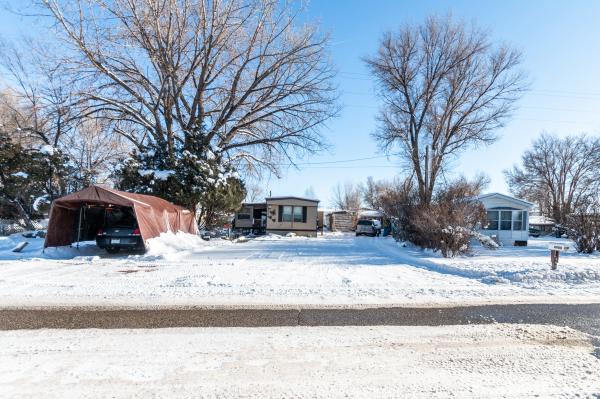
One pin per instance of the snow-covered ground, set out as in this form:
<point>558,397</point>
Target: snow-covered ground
<point>484,361</point>
<point>336,269</point>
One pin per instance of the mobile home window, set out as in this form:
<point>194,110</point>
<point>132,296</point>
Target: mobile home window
<point>244,213</point>
<point>505,220</point>
<point>518,221</point>
<point>298,214</point>
<point>287,215</point>
<point>492,220</point>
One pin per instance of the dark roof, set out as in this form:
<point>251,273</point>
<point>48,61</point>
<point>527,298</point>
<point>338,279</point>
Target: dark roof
<point>292,197</point>
<point>254,203</point>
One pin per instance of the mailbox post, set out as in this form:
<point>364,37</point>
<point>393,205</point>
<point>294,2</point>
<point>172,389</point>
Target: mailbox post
<point>555,250</point>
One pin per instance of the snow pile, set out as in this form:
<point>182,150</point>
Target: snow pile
<point>484,240</point>
<point>35,249</point>
<point>6,244</point>
<point>174,246</point>
<point>278,237</point>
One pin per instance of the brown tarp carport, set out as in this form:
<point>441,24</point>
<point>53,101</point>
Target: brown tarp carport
<point>154,215</point>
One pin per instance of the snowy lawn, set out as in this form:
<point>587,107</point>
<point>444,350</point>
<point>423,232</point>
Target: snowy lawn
<point>336,269</point>
<point>484,361</point>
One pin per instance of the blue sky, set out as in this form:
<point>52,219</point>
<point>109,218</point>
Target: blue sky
<point>560,41</point>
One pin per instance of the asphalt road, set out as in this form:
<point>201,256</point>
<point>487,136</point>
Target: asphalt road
<point>584,317</point>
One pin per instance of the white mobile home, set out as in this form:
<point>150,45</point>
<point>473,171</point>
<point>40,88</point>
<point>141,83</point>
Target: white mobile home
<point>508,218</point>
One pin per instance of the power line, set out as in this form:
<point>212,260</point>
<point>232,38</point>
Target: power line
<point>334,162</point>
<point>538,92</point>
<point>352,167</point>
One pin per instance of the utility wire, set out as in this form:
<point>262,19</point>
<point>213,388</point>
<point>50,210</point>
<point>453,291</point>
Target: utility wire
<point>334,162</point>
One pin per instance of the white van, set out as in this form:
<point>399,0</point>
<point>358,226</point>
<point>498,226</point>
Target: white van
<point>368,227</point>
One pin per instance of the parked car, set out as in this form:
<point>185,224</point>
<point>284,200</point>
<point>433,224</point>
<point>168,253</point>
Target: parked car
<point>120,231</point>
<point>560,231</point>
<point>533,232</point>
<point>368,227</point>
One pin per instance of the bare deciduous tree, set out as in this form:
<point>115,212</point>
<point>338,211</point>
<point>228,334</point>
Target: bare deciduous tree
<point>255,192</point>
<point>562,175</point>
<point>444,87</point>
<point>93,150</point>
<point>347,197</point>
<point>237,78</point>
<point>371,192</point>
<point>40,101</point>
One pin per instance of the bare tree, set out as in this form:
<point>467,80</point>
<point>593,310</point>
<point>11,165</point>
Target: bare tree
<point>444,88</point>
<point>371,192</point>
<point>255,192</point>
<point>40,100</point>
<point>347,197</point>
<point>562,175</point>
<point>94,151</point>
<point>237,79</point>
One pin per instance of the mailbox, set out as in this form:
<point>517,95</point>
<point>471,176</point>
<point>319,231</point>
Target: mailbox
<point>555,250</point>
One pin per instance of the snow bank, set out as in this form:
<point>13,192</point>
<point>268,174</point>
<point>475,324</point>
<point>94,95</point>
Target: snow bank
<point>6,244</point>
<point>35,249</point>
<point>279,237</point>
<point>173,246</point>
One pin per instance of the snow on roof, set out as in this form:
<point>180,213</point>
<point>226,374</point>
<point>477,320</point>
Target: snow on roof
<point>506,198</point>
<point>291,197</point>
<point>542,220</point>
<point>370,213</point>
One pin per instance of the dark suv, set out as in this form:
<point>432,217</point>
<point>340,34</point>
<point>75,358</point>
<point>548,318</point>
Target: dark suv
<point>120,230</point>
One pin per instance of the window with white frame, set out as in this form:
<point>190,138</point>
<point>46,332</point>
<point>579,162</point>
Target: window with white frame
<point>505,220</point>
<point>492,220</point>
<point>518,220</point>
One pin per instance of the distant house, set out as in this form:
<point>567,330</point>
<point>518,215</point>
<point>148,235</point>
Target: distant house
<point>279,215</point>
<point>541,223</point>
<point>507,218</point>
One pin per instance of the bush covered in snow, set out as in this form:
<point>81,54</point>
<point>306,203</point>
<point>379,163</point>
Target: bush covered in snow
<point>447,224</point>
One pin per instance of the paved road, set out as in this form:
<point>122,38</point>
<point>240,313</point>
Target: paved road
<point>584,317</point>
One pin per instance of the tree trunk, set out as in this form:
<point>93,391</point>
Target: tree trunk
<point>23,214</point>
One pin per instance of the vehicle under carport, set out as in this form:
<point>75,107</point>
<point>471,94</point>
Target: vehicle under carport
<point>115,219</point>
